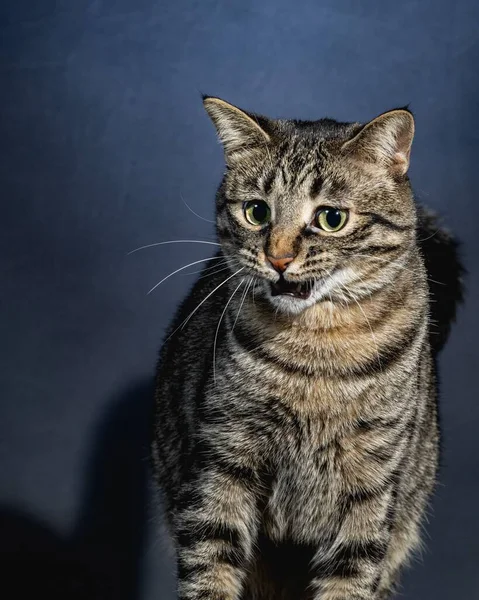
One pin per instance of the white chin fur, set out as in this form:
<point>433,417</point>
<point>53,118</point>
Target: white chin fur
<point>321,291</point>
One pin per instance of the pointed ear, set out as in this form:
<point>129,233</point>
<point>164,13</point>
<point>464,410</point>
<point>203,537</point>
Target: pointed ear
<point>385,140</point>
<point>236,129</point>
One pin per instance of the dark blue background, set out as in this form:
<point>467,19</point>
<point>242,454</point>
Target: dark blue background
<point>102,135</point>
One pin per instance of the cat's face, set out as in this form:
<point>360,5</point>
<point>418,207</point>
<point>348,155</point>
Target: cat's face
<point>315,211</point>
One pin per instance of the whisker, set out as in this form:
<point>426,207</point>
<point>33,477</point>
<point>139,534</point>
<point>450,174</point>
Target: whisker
<point>218,328</point>
<point>173,242</point>
<point>195,213</point>
<point>254,288</point>
<point>182,325</point>
<point>207,269</point>
<point>196,262</point>
<point>214,272</point>
<point>429,237</point>
<point>243,298</point>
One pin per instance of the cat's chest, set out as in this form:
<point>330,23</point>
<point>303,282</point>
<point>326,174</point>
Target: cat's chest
<point>303,491</point>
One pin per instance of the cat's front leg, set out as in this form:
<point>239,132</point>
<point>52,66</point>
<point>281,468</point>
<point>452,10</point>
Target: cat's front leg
<point>352,572</point>
<point>351,568</point>
<point>216,526</point>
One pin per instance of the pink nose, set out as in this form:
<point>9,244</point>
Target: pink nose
<point>280,262</point>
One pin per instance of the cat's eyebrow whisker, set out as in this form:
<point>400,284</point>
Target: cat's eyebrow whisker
<point>218,327</point>
<point>196,262</point>
<point>173,242</point>
<point>182,325</point>
<point>195,213</point>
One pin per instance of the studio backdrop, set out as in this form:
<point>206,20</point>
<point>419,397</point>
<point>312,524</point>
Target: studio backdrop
<point>105,148</point>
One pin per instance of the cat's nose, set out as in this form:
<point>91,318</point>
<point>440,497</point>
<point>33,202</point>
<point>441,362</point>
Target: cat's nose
<point>280,263</point>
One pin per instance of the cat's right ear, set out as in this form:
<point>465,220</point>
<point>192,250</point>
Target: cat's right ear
<point>237,130</point>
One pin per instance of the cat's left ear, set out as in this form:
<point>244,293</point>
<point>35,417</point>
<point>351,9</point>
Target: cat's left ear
<point>385,140</point>
<point>236,129</point>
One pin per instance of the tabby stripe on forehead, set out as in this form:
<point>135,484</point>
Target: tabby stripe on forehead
<point>268,182</point>
<point>316,186</point>
<point>296,171</point>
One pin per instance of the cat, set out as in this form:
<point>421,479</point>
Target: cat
<point>296,436</point>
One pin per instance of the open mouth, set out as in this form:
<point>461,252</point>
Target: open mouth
<point>290,288</point>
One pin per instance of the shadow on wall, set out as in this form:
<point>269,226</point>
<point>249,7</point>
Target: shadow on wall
<point>102,557</point>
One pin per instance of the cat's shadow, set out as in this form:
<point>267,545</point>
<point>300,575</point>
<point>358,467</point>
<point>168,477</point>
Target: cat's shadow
<point>101,559</point>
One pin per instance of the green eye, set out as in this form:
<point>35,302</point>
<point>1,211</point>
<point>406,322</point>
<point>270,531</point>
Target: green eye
<point>257,212</point>
<point>330,219</point>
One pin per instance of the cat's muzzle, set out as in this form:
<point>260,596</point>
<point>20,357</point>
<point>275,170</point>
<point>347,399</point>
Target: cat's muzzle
<point>300,290</point>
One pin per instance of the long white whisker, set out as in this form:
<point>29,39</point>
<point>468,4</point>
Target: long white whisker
<point>221,264</point>
<point>243,298</point>
<point>195,213</point>
<point>218,328</point>
<point>254,288</point>
<point>196,262</point>
<point>173,242</point>
<point>215,272</point>
<point>204,300</point>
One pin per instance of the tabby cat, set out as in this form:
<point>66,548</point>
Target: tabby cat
<point>296,433</point>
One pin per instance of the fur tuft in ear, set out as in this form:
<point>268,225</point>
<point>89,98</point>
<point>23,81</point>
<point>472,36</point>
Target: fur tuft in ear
<point>385,140</point>
<point>236,129</point>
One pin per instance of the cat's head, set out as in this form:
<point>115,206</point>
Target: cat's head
<point>315,211</point>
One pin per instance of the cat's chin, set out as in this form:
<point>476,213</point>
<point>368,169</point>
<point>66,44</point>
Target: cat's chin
<point>290,304</point>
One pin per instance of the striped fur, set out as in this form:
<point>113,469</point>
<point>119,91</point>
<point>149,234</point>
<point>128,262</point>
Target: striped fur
<point>296,441</point>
